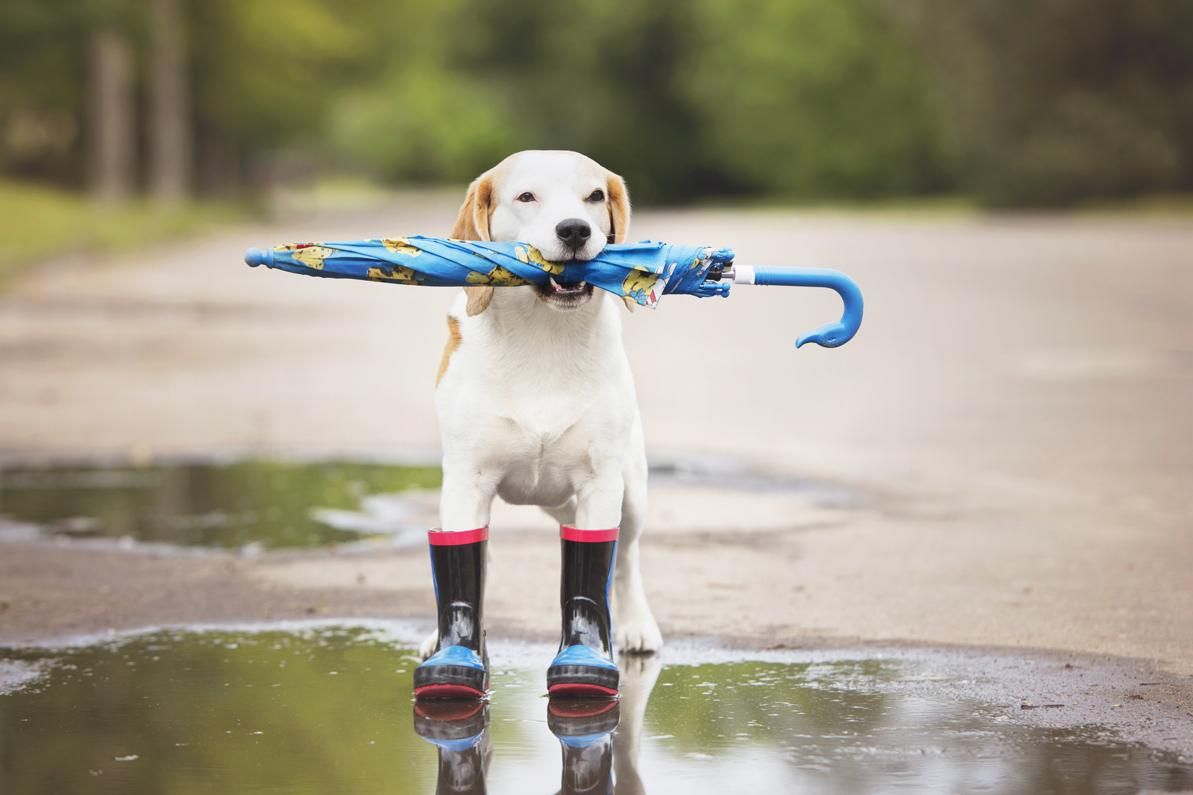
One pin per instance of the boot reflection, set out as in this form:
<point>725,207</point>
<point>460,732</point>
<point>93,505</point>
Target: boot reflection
<point>638,676</point>
<point>459,729</point>
<point>584,728</point>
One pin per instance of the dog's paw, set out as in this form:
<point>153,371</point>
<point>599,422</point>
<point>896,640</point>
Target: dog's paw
<point>638,635</point>
<point>427,647</point>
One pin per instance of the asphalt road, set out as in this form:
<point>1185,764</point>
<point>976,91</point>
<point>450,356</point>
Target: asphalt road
<point>1014,424</point>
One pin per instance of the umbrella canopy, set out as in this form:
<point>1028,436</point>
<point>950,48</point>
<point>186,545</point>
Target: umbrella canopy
<point>641,272</point>
<point>638,272</point>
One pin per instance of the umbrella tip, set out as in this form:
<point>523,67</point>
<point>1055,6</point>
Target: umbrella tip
<point>255,256</point>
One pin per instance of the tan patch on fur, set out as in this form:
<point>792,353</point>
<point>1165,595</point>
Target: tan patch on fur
<point>453,343</point>
<point>619,207</point>
<point>472,223</point>
<point>619,218</point>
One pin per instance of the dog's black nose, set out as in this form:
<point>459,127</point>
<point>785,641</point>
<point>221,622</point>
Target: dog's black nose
<point>573,232</point>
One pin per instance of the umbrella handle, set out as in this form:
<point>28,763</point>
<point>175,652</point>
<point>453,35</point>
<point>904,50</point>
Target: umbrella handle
<point>830,335</point>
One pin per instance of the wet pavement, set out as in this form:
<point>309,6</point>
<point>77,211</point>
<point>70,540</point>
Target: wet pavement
<point>327,709</point>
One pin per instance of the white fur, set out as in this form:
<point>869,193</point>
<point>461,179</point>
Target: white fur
<point>537,405</point>
<point>560,183</point>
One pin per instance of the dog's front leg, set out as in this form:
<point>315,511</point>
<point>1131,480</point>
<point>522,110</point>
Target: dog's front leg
<point>466,498</point>
<point>465,502</point>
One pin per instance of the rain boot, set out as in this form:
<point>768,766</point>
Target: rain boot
<point>459,668</point>
<point>584,729</point>
<point>460,731</point>
<point>584,666</point>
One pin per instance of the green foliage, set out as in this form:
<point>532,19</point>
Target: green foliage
<point>1018,102</point>
<point>1055,102</point>
<point>811,99</point>
<point>422,125</point>
<point>264,69</point>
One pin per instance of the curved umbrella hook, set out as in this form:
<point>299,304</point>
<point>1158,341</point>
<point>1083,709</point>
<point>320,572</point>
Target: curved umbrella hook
<point>830,335</point>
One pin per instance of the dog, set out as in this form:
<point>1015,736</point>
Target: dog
<point>534,395</point>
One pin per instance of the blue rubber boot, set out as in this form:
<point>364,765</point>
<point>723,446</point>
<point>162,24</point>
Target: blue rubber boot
<point>459,668</point>
<point>584,667</point>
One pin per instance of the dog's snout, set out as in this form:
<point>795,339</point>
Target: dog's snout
<point>573,232</point>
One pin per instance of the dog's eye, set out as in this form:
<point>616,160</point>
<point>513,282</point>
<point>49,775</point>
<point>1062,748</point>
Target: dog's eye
<point>526,196</point>
<point>597,195</point>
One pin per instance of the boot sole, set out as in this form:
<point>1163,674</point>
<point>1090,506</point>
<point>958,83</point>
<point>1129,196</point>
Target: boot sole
<point>450,682</point>
<point>582,681</point>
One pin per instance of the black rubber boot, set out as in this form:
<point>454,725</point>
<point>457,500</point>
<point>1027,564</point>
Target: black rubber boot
<point>459,668</point>
<point>584,729</point>
<point>459,731</point>
<point>584,666</point>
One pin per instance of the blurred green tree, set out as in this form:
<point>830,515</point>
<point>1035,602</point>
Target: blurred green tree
<point>1050,102</point>
<point>1018,102</point>
<point>811,99</point>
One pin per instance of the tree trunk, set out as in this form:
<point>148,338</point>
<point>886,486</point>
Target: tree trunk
<point>169,130</point>
<point>112,151</point>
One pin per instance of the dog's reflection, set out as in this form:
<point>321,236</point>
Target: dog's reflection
<point>599,740</point>
<point>638,676</point>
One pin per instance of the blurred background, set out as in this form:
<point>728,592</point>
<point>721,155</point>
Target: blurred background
<point>145,104</point>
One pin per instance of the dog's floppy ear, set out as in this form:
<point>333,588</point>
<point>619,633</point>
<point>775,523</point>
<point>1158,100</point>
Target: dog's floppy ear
<point>473,224</point>
<point>619,208</point>
<point>619,216</point>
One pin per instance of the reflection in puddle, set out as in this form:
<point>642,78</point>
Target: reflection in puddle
<point>328,711</point>
<point>270,503</point>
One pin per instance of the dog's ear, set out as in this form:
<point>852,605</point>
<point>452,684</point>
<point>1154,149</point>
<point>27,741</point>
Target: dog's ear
<point>472,223</point>
<point>619,216</point>
<point>619,208</point>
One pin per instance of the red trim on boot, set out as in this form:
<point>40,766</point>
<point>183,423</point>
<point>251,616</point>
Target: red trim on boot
<point>448,692</point>
<point>448,538</point>
<point>580,690</point>
<point>587,536</point>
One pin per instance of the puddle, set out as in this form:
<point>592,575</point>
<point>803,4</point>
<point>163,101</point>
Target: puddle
<point>267,503</point>
<point>328,710</point>
<point>278,504</point>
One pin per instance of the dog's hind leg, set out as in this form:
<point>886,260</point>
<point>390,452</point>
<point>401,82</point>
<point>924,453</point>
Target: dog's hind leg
<point>634,627</point>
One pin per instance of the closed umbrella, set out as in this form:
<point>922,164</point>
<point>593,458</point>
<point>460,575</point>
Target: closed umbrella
<point>640,272</point>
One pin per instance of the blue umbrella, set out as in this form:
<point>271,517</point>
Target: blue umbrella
<point>640,272</point>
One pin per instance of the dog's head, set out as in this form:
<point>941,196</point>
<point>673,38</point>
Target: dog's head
<point>564,204</point>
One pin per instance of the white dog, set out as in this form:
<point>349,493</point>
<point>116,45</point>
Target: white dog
<point>535,397</point>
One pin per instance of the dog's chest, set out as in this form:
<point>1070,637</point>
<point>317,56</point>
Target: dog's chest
<point>541,464</point>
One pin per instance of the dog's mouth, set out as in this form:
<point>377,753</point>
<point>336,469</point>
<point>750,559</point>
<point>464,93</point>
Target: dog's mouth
<point>563,294</point>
